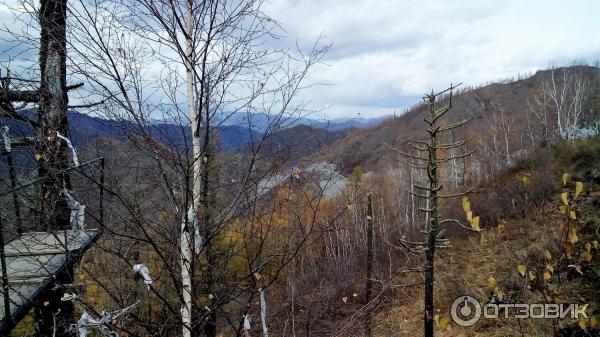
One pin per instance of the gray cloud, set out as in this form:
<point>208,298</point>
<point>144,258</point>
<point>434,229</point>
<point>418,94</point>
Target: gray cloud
<point>386,54</point>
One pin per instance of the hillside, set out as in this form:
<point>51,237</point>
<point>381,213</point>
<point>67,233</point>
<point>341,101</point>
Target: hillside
<point>294,143</point>
<point>365,147</point>
<point>532,234</point>
<point>535,230</point>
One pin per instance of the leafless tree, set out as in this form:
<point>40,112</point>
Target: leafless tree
<point>431,163</point>
<point>217,51</point>
<point>559,106</point>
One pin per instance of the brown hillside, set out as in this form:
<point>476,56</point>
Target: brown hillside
<point>366,147</point>
<point>294,143</point>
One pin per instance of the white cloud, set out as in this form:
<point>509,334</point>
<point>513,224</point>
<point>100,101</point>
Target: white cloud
<point>386,54</point>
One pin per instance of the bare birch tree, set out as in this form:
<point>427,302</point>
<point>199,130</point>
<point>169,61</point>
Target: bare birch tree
<point>216,50</point>
<point>559,106</point>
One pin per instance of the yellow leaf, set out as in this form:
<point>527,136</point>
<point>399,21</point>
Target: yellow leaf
<point>466,204</point>
<point>547,276</point>
<point>436,319</point>
<point>587,256</point>
<point>594,321</point>
<point>563,209</point>
<point>37,157</point>
<point>350,207</point>
<point>492,283</point>
<point>588,246</point>
<point>547,255</point>
<point>584,323</point>
<point>470,217</point>
<point>595,243</point>
<point>565,198</point>
<point>566,177</point>
<point>531,275</point>
<point>578,188</point>
<point>526,181</point>
<point>572,215</point>
<point>443,323</point>
<point>475,223</point>
<point>501,227</point>
<point>550,269</point>
<point>578,269</point>
<point>521,269</point>
<point>500,294</point>
<point>345,299</point>
<point>573,236</point>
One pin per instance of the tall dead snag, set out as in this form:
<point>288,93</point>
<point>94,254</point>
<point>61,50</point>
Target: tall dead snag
<point>433,156</point>
<point>53,315</point>
<point>52,99</point>
<point>52,113</point>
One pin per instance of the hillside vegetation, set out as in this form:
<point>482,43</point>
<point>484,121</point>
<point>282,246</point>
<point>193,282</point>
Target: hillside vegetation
<point>167,170</point>
<point>366,147</point>
<point>530,234</point>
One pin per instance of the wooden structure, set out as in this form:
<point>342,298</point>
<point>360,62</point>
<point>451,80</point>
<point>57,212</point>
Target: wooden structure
<point>37,266</point>
<point>31,264</point>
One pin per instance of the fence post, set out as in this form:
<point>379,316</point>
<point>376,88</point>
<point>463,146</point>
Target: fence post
<point>369,282</point>
<point>101,201</point>
<point>7,317</point>
<point>13,186</point>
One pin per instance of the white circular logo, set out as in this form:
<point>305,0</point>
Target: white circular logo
<point>465,311</point>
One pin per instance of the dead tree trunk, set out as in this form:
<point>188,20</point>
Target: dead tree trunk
<point>431,193</point>
<point>53,315</point>
<point>52,114</point>
<point>433,218</point>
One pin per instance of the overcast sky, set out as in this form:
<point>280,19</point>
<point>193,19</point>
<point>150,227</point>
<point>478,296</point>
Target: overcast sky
<point>386,54</point>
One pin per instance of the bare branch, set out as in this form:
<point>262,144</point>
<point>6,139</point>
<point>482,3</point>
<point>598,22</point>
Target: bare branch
<point>458,223</point>
<point>454,125</point>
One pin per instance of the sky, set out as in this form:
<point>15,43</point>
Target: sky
<point>386,54</point>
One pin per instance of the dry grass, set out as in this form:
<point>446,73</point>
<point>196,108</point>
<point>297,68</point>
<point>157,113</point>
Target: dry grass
<point>465,268</point>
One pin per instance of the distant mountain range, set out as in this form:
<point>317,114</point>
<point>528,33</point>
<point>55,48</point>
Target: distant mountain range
<point>346,142</point>
<point>84,128</point>
<point>234,133</point>
<point>260,121</point>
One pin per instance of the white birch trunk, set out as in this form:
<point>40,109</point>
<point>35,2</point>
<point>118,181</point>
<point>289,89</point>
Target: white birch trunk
<point>263,313</point>
<point>188,223</point>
